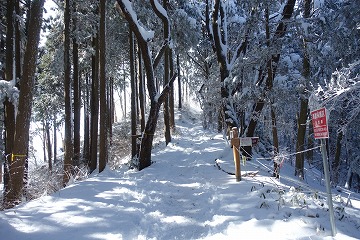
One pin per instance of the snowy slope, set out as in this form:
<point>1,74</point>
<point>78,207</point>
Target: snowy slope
<point>183,195</point>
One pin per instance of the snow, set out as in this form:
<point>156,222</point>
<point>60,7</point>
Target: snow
<point>10,91</point>
<point>184,195</point>
<point>305,26</point>
<point>238,19</point>
<point>192,22</point>
<point>147,35</point>
<point>160,8</point>
<point>318,4</point>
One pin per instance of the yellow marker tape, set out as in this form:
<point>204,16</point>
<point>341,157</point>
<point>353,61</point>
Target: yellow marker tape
<point>16,155</point>
<point>244,160</point>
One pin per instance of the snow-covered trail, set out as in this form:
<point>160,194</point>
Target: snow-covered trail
<point>182,195</point>
<point>177,197</point>
<point>183,198</point>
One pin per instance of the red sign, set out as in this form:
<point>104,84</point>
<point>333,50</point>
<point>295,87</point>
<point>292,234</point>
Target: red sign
<point>254,140</point>
<point>319,123</point>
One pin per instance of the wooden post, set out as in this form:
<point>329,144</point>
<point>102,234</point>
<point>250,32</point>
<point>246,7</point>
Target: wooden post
<point>235,143</point>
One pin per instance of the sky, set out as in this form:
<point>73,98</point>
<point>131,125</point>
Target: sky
<point>187,194</point>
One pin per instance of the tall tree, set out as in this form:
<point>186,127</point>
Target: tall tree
<point>48,103</point>
<point>68,155</point>
<point>218,32</point>
<point>166,29</point>
<point>76,87</point>
<point>9,109</point>
<point>2,128</point>
<point>86,144</point>
<point>275,143</point>
<point>111,108</point>
<point>171,93</point>
<point>304,102</point>
<point>156,99</point>
<point>94,118</point>
<point>179,81</point>
<point>142,91</point>
<point>271,66</point>
<point>272,110</point>
<point>103,138</point>
<point>133,95</point>
<point>48,144</point>
<point>21,139</point>
<point>55,138</point>
<point>17,42</point>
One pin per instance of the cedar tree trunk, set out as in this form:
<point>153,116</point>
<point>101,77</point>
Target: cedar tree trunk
<point>21,139</point>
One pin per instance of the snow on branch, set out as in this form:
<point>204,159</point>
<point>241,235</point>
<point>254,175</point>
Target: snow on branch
<point>124,7</point>
<point>343,82</point>
<point>219,40</point>
<point>127,9</point>
<point>159,10</point>
<point>341,92</point>
<point>9,91</point>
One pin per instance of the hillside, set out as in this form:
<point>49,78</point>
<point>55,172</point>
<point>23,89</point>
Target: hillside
<point>185,195</point>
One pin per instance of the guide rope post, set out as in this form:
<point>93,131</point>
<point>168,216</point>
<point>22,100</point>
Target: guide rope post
<point>328,187</point>
<point>321,131</point>
<point>235,143</point>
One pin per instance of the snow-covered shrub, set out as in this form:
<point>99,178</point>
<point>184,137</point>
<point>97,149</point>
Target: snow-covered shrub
<point>42,181</point>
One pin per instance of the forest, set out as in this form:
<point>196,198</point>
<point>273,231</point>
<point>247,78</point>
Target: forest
<point>96,78</point>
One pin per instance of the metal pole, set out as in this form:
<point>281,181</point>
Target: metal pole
<point>328,188</point>
<point>235,142</point>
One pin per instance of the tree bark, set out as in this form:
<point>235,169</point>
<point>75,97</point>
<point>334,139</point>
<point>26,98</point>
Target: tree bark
<point>336,163</point>
<point>21,139</point>
<point>18,59</point>
<point>299,162</point>
<point>94,106</point>
<point>125,98</point>
<point>68,154</point>
<point>276,173</point>
<point>273,116</point>
<point>86,146</point>
<point>76,90</point>
<point>142,92</point>
<point>179,81</point>
<point>300,143</point>
<point>48,145</point>
<point>310,145</point>
<point>219,41</point>
<point>166,30</point>
<point>148,136</point>
<point>55,138</point>
<point>166,101</point>
<point>2,117</point>
<point>111,110</point>
<point>171,93</point>
<point>9,109</point>
<point>44,141</point>
<point>133,96</point>
<point>2,145</point>
<point>103,140</point>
